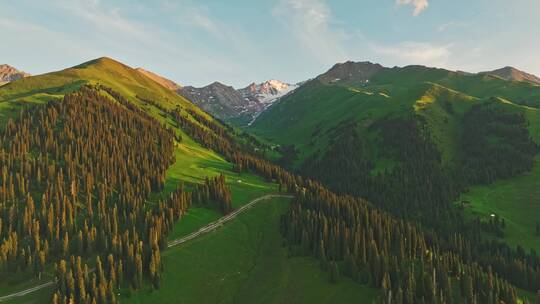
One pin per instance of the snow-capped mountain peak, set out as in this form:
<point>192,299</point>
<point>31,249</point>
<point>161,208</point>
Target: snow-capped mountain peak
<point>225,102</point>
<point>268,91</point>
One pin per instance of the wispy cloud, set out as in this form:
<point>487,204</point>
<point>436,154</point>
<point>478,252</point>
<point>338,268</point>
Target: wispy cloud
<point>106,19</point>
<point>310,23</point>
<point>419,5</point>
<point>202,20</point>
<point>415,53</point>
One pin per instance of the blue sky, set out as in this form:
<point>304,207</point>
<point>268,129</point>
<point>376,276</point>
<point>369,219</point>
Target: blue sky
<point>238,42</point>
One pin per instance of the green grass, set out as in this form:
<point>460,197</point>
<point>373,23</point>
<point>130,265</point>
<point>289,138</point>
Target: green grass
<point>38,297</point>
<point>20,281</point>
<point>308,117</point>
<point>121,78</point>
<point>303,117</point>
<point>193,162</point>
<point>517,200</point>
<point>244,262</point>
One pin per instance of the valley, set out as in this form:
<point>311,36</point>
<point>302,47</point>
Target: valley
<point>367,127</point>
<point>358,158</point>
<point>277,152</point>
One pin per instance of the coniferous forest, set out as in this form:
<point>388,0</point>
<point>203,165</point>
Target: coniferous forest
<point>353,237</point>
<point>73,198</point>
<point>89,203</point>
<point>255,153</point>
<point>78,174</point>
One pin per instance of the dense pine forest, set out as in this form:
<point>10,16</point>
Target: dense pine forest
<point>496,145</point>
<point>76,178</point>
<point>78,175</point>
<point>353,237</point>
<point>350,237</point>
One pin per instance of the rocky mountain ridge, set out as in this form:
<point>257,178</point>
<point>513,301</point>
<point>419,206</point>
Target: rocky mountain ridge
<point>9,74</point>
<point>228,103</point>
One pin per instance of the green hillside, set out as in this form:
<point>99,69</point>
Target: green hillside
<point>245,263</point>
<point>123,88</point>
<point>164,169</point>
<point>454,152</point>
<point>307,117</point>
<point>440,132</point>
<point>125,80</point>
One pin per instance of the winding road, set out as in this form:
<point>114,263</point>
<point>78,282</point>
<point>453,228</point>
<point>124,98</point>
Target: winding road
<point>202,231</point>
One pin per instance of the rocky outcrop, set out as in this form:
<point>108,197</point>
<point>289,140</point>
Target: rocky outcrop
<point>9,74</point>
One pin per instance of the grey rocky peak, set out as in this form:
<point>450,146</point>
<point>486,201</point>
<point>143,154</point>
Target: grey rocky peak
<point>350,72</point>
<point>9,74</point>
<point>227,103</point>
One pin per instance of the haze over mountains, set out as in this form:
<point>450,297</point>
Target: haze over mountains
<point>9,73</point>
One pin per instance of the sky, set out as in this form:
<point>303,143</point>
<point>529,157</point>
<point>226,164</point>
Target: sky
<point>238,42</point>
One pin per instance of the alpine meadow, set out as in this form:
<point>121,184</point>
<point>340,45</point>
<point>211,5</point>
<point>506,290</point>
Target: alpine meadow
<point>149,153</point>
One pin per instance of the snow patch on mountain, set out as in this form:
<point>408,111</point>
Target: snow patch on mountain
<point>225,102</point>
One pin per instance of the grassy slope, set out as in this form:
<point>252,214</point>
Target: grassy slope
<point>244,262</point>
<point>315,108</point>
<point>303,118</point>
<point>517,199</point>
<point>123,79</point>
<point>288,122</point>
<point>193,162</point>
<point>427,92</point>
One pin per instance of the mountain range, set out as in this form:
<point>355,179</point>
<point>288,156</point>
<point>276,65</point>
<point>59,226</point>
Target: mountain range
<point>408,150</point>
<point>366,93</point>
<point>241,106</point>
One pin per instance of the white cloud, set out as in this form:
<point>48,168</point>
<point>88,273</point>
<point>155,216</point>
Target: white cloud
<point>310,23</point>
<point>415,53</point>
<point>419,5</point>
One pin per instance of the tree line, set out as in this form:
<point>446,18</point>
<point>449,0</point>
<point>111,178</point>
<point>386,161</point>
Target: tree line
<point>429,190</point>
<point>76,175</point>
<point>351,237</point>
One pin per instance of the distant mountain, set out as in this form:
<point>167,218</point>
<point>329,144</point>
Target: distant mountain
<point>222,101</point>
<point>267,92</point>
<point>169,84</point>
<point>350,72</point>
<point>510,73</point>
<point>243,105</point>
<point>9,74</point>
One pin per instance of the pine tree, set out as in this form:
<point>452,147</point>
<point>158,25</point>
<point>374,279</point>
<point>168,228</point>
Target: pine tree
<point>334,272</point>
